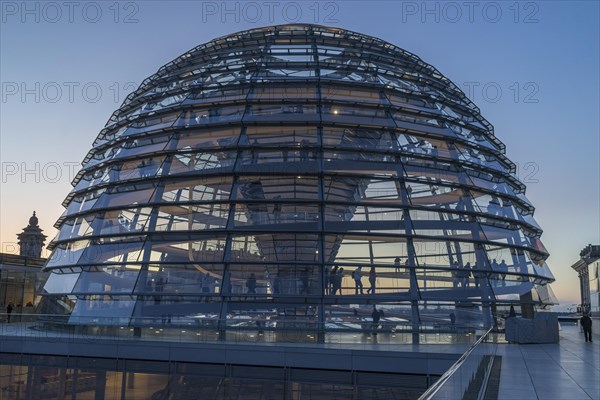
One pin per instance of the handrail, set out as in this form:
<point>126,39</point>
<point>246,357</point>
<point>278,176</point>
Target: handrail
<point>486,379</point>
<point>256,328</point>
<point>429,393</point>
<point>102,320</point>
<point>15,259</point>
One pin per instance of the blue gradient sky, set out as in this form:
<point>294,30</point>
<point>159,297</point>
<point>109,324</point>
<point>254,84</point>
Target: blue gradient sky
<point>542,56</point>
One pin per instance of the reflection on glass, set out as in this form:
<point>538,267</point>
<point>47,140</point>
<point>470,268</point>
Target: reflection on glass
<point>280,178</point>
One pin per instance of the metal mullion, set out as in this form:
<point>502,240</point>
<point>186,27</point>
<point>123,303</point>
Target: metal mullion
<point>321,198</point>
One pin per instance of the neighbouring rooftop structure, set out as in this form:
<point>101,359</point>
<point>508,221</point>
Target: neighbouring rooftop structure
<point>292,178</point>
<point>588,270</point>
<point>31,240</point>
<point>21,276</point>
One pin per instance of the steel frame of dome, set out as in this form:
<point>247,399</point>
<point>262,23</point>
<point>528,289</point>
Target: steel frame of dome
<point>282,152</point>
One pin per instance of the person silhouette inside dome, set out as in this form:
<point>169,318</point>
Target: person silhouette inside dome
<point>251,283</point>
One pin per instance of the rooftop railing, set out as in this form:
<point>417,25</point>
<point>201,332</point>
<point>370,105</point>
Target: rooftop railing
<point>468,376</point>
<point>239,329</point>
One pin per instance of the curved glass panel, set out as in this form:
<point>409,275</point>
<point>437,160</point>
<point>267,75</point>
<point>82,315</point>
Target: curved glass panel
<point>295,176</point>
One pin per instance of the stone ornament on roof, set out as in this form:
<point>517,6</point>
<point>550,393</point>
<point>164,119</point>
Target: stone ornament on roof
<point>31,240</point>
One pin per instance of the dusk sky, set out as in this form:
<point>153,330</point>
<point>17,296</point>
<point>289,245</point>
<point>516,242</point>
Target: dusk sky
<point>531,67</point>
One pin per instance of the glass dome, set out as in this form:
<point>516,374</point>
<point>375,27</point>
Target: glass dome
<point>293,173</point>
